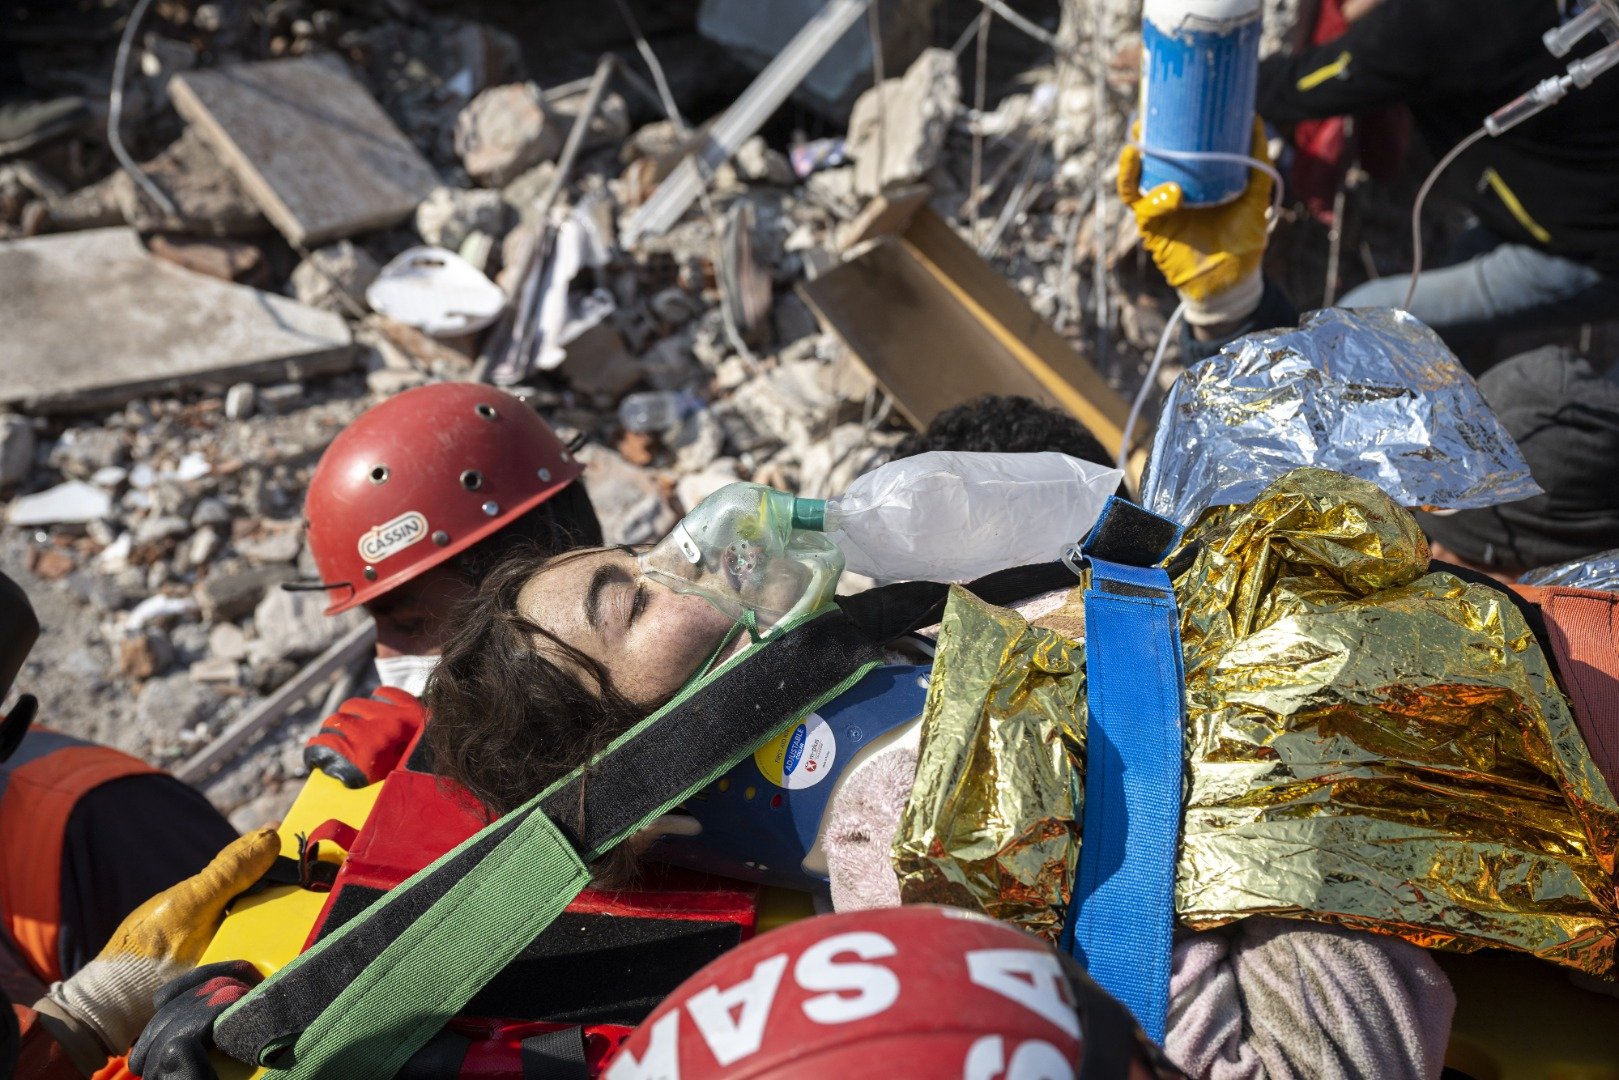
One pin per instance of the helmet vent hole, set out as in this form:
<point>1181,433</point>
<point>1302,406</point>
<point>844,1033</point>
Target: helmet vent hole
<point>379,474</point>
<point>472,479</point>
<point>486,411</point>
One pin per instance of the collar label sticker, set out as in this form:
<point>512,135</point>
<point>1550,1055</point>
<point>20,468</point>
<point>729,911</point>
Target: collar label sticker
<point>391,537</point>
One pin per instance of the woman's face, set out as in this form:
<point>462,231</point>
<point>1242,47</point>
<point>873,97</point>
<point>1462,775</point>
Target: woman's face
<point>648,638</point>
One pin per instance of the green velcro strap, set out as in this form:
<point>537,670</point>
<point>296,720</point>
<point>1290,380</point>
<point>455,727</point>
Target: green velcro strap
<point>437,963</point>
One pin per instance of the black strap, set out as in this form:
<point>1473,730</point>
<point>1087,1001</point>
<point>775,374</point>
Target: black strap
<point>1113,1041</point>
<point>555,1055</point>
<point>892,611</point>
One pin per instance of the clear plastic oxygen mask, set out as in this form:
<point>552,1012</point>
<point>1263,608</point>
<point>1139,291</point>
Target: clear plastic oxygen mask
<point>743,550</point>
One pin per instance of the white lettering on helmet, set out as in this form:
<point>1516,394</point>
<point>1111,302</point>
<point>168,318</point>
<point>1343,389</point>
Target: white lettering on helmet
<point>662,1060</point>
<point>391,537</point>
<point>876,986</point>
<point>730,1040</point>
<point>1033,979</point>
<point>1034,1059</point>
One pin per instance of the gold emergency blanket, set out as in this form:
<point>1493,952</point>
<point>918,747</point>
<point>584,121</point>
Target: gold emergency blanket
<point>1368,744</point>
<point>993,821</point>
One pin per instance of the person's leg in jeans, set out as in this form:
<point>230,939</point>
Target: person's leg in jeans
<point>1508,289</point>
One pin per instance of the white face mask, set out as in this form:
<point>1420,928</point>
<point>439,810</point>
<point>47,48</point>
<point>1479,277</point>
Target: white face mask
<point>409,673</point>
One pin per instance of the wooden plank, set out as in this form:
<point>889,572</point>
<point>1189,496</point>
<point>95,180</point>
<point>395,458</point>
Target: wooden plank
<point>1039,349</point>
<point>936,326</point>
<point>89,320</point>
<point>887,214</point>
<point>311,145</point>
<point>922,345</point>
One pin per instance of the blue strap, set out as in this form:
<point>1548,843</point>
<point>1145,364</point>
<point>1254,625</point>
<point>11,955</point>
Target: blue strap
<point>1122,915</point>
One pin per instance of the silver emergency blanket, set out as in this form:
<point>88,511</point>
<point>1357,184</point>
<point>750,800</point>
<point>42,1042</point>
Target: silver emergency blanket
<point>1373,393</point>
<point>1592,572</point>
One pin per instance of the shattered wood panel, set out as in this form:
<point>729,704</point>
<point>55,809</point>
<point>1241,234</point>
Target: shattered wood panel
<point>925,348</point>
<point>91,320</point>
<point>937,325</point>
<point>311,145</point>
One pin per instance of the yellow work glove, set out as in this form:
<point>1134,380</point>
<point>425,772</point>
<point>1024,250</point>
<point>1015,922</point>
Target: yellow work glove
<point>101,1010</point>
<point>1210,254</point>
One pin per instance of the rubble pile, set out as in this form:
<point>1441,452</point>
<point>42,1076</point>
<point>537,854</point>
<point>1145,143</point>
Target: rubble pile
<point>387,167</point>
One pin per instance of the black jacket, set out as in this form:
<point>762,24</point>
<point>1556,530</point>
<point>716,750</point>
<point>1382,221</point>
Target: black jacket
<point>1552,182</point>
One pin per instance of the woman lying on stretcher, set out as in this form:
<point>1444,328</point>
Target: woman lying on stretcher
<point>558,657</point>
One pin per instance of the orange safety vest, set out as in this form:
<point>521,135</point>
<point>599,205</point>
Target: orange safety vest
<point>39,787</point>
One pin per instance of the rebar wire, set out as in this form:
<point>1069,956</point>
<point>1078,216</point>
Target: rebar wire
<point>874,31</point>
<point>1039,34</point>
<point>644,47</point>
<point>115,112</point>
<point>1099,292</point>
<point>980,89</point>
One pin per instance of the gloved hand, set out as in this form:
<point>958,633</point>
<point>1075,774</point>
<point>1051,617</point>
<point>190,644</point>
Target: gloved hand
<point>1210,254</point>
<point>175,1044</point>
<point>366,738</point>
<point>99,1011</point>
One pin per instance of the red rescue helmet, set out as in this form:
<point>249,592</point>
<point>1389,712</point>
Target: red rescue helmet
<point>420,478</point>
<point>916,991</point>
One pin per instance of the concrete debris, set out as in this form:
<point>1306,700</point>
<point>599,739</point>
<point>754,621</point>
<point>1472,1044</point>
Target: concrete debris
<point>144,653</point>
<point>72,503</point>
<point>274,545</point>
<point>316,152</point>
<point>291,626</point>
<point>897,129</point>
<point>447,216</point>
<point>335,278</point>
<point>226,641</point>
<point>631,505</point>
<point>505,131</point>
<point>228,595</point>
<point>16,450</point>
<point>240,401</point>
<point>208,199</point>
<point>153,326</point>
<point>227,260</point>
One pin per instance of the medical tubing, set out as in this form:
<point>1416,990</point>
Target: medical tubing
<point>1146,384</point>
<point>1180,312</point>
<point>1422,197</point>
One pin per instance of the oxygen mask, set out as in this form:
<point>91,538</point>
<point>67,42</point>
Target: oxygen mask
<point>743,550</point>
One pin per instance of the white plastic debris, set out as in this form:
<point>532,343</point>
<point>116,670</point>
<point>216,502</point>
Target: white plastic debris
<point>192,466</point>
<point>72,503</point>
<point>155,608</point>
<point>435,290</point>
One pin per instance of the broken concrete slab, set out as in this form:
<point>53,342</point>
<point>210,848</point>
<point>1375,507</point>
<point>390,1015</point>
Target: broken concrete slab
<point>312,147</point>
<point>208,199</point>
<point>505,131</point>
<point>897,129</point>
<point>91,320</point>
<point>72,503</point>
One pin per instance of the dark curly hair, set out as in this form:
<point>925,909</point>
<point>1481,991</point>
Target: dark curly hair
<point>1006,424</point>
<point>509,719</point>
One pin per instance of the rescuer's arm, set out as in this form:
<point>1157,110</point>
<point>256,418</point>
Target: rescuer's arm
<point>1384,58</point>
<point>103,1007</point>
<point>367,737</point>
<point>1274,998</point>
